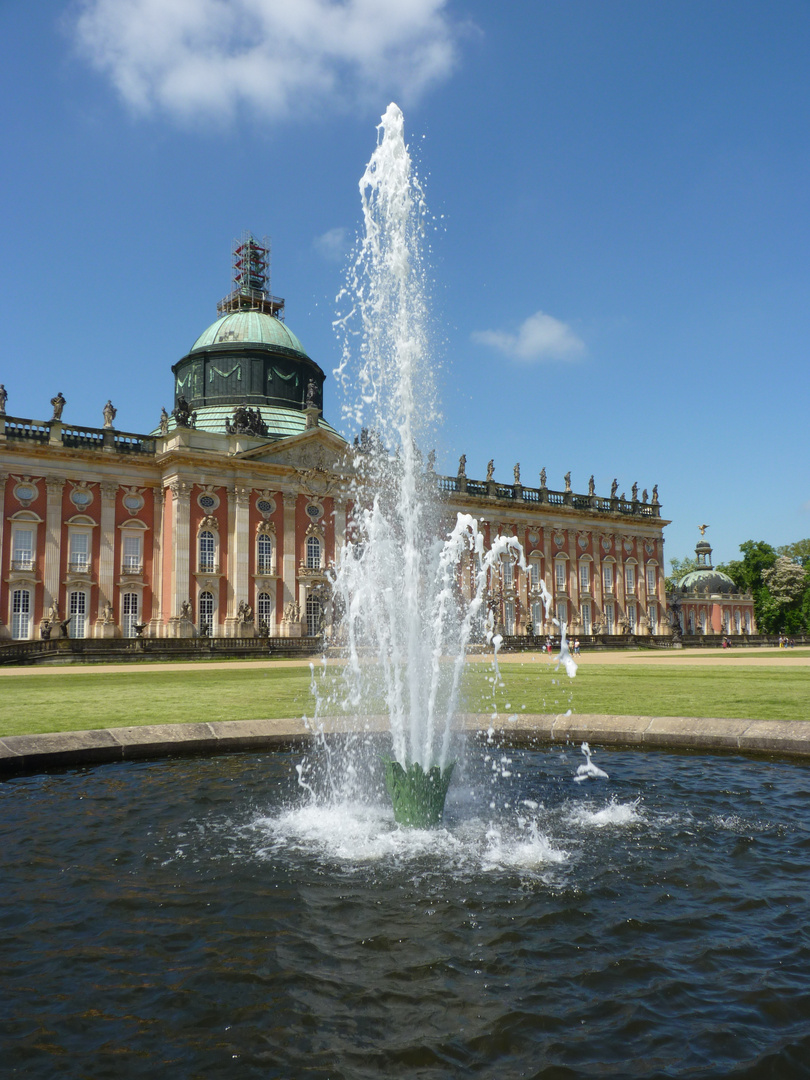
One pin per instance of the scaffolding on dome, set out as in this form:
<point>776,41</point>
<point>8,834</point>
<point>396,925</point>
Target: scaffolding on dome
<point>251,279</point>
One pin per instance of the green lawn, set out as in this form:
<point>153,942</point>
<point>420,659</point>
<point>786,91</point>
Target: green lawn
<point>758,693</point>
<point>32,702</point>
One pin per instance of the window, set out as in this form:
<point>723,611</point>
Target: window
<point>264,554</point>
<point>22,547</point>
<point>651,580</point>
<point>509,617</point>
<point>609,618</point>
<point>726,621</point>
<point>737,623</point>
<point>586,618</point>
<point>691,622</point>
<point>631,618</point>
<point>607,577</point>
<point>562,613</point>
<point>21,614</point>
<point>703,622</point>
<point>748,622</point>
<point>652,617</point>
<point>537,616</point>
<point>129,607</point>
<point>265,609</point>
<point>508,572</point>
<point>77,610</point>
<point>630,579</point>
<point>314,612</point>
<point>584,577</point>
<point>132,554</point>
<point>534,573</point>
<point>206,612</point>
<point>207,552</point>
<point>313,561</point>
<point>79,552</point>
<point>559,575</point>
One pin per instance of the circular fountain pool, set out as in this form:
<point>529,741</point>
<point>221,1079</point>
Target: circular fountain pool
<point>201,918</point>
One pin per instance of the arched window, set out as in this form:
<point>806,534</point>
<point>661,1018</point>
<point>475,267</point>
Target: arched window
<point>534,573</point>
<point>631,618</point>
<point>265,610</point>
<point>79,552</point>
<point>77,610</point>
<point>129,609</point>
<point>538,615</point>
<point>509,617</point>
<point>22,548</point>
<point>630,579</point>
<point>21,614</point>
<point>585,611</point>
<point>206,613</point>
<point>313,561</point>
<point>207,552</point>
<point>560,575</point>
<point>264,554</point>
<point>609,618</point>
<point>585,577</point>
<point>314,612</point>
<point>508,571</point>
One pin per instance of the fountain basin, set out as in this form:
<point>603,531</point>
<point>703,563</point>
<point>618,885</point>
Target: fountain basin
<point>417,796</point>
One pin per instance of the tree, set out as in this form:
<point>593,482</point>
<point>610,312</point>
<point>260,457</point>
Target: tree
<point>746,573</point>
<point>798,551</point>
<point>787,583</point>
<point>680,568</point>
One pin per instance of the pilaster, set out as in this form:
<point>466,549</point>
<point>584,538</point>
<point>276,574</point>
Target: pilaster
<point>288,557</point>
<point>156,619</point>
<point>106,554</point>
<point>238,580</point>
<point>181,517</point>
<point>548,572</point>
<point>53,543</point>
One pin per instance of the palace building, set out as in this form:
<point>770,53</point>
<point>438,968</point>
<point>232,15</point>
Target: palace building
<point>225,520</point>
<point>706,601</point>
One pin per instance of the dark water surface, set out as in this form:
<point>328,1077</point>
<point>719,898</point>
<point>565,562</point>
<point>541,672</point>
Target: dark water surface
<point>197,918</point>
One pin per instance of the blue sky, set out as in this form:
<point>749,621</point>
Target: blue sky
<point>621,253</point>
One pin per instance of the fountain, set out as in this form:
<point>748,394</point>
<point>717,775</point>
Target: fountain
<point>397,581</point>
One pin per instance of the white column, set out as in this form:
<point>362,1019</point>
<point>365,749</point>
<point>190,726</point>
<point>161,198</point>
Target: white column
<point>548,573</point>
<point>106,551</point>
<point>340,526</point>
<point>53,544</point>
<point>573,575</point>
<point>181,515</point>
<point>156,619</point>
<point>288,572</point>
<point>238,582</point>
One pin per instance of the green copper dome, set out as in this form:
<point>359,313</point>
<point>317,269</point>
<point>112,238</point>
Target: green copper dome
<point>254,327</point>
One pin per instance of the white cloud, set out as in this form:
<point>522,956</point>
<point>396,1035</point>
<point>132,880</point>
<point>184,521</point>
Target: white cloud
<point>333,245</point>
<point>540,337</point>
<point>202,59</point>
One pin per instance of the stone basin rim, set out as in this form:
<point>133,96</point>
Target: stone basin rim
<point>43,752</point>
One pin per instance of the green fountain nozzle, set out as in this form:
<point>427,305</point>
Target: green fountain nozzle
<point>417,796</point>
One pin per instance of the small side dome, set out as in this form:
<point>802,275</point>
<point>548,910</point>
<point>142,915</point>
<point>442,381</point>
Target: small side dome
<point>713,581</point>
